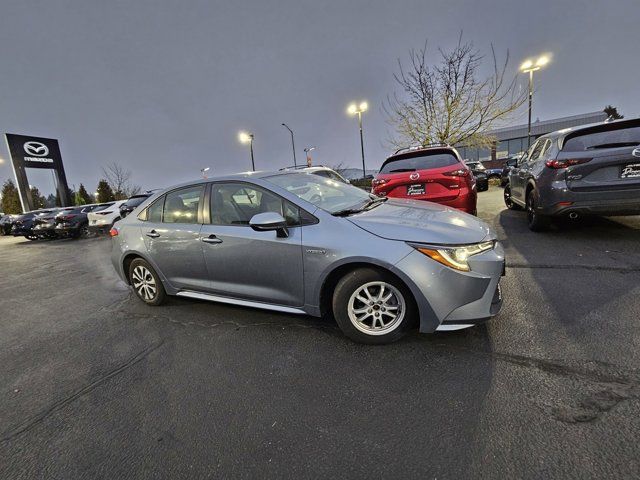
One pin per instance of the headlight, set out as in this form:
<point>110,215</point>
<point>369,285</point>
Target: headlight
<point>455,257</point>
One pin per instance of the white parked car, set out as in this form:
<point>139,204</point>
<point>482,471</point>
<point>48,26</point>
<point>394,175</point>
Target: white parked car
<point>103,220</point>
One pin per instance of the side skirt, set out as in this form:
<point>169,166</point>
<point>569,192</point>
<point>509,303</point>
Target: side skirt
<point>243,303</point>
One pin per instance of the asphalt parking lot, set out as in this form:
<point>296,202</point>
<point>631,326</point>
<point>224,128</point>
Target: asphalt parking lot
<point>94,384</point>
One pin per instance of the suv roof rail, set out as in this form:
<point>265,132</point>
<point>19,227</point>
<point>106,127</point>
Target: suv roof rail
<point>298,167</point>
<point>420,147</point>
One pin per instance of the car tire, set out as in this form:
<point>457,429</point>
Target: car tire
<point>365,299</point>
<point>146,283</point>
<point>508,201</point>
<point>536,221</point>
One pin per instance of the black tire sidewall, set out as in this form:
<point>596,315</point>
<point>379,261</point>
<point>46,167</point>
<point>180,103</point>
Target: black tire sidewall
<point>537,222</point>
<point>160,293</point>
<point>354,280</point>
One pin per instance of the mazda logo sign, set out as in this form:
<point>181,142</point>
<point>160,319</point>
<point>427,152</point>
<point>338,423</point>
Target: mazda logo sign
<point>636,152</point>
<point>36,149</point>
<point>414,176</point>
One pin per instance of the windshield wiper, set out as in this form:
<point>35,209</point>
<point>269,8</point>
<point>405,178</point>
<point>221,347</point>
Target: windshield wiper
<point>614,145</point>
<point>372,203</point>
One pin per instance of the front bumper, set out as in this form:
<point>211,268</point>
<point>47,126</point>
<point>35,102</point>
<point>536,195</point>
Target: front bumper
<point>450,299</point>
<point>67,228</point>
<point>44,230</point>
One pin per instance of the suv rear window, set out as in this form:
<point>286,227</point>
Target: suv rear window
<point>603,137</point>
<point>422,162</point>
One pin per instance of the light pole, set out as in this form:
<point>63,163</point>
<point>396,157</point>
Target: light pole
<point>529,66</point>
<point>308,151</point>
<point>245,137</point>
<point>358,110</point>
<point>293,145</point>
<point>204,171</point>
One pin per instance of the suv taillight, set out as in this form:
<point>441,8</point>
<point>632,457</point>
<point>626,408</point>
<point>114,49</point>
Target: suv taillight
<point>461,172</point>
<point>378,182</point>
<point>114,232</point>
<point>566,162</point>
<point>64,218</point>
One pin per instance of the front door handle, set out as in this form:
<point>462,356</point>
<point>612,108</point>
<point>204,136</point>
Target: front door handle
<point>153,234</point>
<point>211,239</point>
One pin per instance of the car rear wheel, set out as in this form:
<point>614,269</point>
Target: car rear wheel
<point>537,222</point>
<point>373,307</point>
<point>146,283</point>
<point>508,201</point>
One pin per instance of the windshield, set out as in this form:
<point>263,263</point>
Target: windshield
<point>330,195</point>
<point>425,162</point>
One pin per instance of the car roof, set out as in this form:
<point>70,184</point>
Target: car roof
<point>566,131</point>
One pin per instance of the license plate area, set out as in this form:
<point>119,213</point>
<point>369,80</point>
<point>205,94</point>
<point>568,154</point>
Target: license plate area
<point>416,189</point>
<point>632,170</point>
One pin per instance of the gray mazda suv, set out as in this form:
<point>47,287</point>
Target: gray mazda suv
<point>298,243</point>
<point>589,170</point>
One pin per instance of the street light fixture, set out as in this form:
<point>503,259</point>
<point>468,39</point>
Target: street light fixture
<point>354,109</point>
<point>245,137</point>
<point>293,145</point>
<point>529,66</point>
<point>307,151</point>
<point>204,171</point>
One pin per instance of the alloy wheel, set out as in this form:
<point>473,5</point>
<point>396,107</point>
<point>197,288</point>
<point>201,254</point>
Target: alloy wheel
<point>376,308</point>
<point>507,197</point>
<point>144,283</point>
<point>531,208</point>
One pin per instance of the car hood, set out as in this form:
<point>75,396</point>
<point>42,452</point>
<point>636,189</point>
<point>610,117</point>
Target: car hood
<point>422,222</point>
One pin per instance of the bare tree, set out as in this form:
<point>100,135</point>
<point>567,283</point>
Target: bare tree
<point>119,180</point>
<point>450,101</point>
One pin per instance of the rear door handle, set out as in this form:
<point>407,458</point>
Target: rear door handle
<point>211,239</point>
<point>153,234</point>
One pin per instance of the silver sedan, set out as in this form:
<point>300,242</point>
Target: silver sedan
<point>298,243</point>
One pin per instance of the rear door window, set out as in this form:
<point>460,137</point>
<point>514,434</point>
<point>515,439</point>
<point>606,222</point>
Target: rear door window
<point>424,162</point>
<point>181,206</point>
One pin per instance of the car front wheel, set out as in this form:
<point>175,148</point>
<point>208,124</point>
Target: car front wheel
<point>373,307</point>
<point>508,201</point>
<point>146,283</point>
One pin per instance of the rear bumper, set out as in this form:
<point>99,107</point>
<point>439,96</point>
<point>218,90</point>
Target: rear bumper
<point>605,207</point>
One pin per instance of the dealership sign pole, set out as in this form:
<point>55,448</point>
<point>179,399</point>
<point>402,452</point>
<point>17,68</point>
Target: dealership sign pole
<point>36,152</point>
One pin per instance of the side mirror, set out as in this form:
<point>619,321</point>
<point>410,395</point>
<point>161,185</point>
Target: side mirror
<point>269,221</point>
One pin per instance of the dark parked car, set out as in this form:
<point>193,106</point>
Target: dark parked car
<point>44,224</point>
<point>23,224</point>
<point>479,172</point>
<point>129,206</point>
<point>593,169</point>
<point>6,222</point>
<point>508,165</point>
<point>73,222</point>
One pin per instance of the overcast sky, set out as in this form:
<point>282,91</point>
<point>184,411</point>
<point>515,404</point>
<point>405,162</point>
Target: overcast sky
<point>163,87</point>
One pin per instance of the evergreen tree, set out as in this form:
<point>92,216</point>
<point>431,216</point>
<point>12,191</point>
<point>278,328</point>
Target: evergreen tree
<point>612,112</point>
<point>38,199</point>
<point>84,195</point>
<point>105,194</point>
<point>10,198</point>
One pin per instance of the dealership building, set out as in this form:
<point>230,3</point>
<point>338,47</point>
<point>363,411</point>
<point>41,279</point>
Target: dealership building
<point>513,140</point>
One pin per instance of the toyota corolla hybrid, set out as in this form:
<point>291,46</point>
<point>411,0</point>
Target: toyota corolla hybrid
<point>380,266</point>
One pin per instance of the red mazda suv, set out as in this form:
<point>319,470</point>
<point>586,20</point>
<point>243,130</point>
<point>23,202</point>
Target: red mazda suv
<point>433,173</point>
